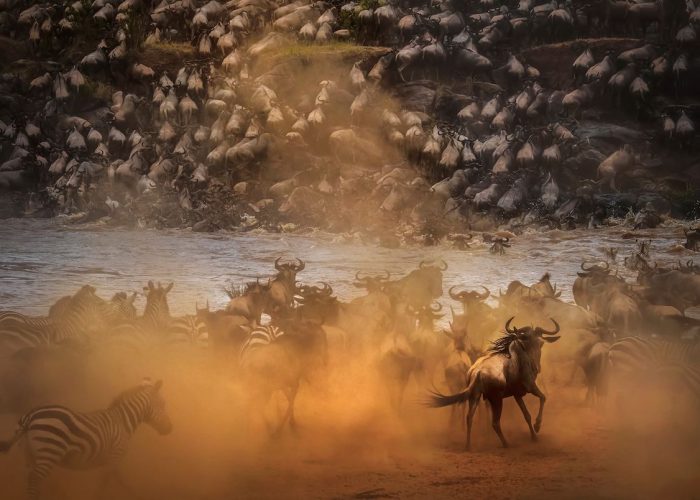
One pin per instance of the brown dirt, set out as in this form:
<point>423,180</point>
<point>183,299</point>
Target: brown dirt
<point>349,447</point>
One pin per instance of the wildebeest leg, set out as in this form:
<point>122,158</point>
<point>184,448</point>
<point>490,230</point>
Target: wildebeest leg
<point>538,393</point>
<point>496,409</point>
<point>473,405</point>
<point>291,394</point>
<point>526,414</point>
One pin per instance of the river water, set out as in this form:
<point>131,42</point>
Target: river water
<point>41,260</point>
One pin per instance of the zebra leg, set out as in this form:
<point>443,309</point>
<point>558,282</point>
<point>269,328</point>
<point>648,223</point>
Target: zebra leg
<point>291,394</point>
<point>526,414</point>
<point>37,474</point>
<point>113,475</point>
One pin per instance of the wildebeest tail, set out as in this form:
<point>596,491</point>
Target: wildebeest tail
<point>438,400</point>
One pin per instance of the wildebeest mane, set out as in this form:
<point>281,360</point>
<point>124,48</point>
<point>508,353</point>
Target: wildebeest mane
<point>501,345</point>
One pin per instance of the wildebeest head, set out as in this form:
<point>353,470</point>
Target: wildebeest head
<point>469,297</point>
<point>528,340</point>
<point>458,334</point>
<point>426,315</point>
<point>316,304</point>
<point>287,271</point>
<point>371,283</point>
<point>595,270</point>
<point>431,275</point>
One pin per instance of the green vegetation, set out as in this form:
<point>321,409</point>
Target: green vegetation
<point>98,90</point>
<point>335,48</point>
<point>348,19</point>
<point>165,55</point>
<point>688,203</point>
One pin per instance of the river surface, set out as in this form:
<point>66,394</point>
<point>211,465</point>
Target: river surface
<point>42,260</point>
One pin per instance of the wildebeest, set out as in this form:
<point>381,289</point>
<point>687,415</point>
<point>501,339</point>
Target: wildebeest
<point>509,368</point>
<point>282,287</point>
<point>249,302</point>
<point>420,286</point>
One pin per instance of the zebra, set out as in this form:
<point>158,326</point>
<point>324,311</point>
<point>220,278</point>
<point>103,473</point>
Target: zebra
<point>58,436</point>
<point>259,337</point>
<point>141,333</point>
<point>156,315</point>
<point>276,358</point>
<point>633,356</point>
<point>187,330</point>
<point>80,317</point>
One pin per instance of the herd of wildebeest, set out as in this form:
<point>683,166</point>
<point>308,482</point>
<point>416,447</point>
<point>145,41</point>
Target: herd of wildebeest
<point>276,335</point>
<point>445,119</point>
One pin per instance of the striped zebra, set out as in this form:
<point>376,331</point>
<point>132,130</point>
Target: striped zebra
<point>631,357</point>
<point>156,315</point>
<point>187,331</point>
<point>259,337</point>
<point>277,358</point>
<point>80,318</point>
<point>9,317</point>
<point>141,333</point>
<point>58,436</point>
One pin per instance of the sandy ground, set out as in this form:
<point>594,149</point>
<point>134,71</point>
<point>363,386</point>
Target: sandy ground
<point>581,453</point>
<point>352,444</point>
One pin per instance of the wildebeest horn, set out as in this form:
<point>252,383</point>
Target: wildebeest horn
<point>277,263</point>
<point>327,290</point>
<point>514,330</point>
<point>382,278</point>
<point>299,267</point>
<point>357,277</point>
<point>486,294</point>
<point>443,265</point>
<point>422,264</point>
<point>436,309</point>
<point>546,332</point>
<point>452,295</point>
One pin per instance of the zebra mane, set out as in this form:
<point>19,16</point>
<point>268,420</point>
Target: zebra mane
<point>502,344</point>
<point>233,291</point>
<point>128,394</point>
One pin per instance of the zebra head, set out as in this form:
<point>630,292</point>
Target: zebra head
<point>121,307</point>
<point>157,309</point>
<point>156,415</point>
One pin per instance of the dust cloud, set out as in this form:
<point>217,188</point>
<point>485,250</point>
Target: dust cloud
<point>351,443</point>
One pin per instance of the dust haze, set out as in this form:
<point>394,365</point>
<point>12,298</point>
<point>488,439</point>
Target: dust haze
<point>351,442</point>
